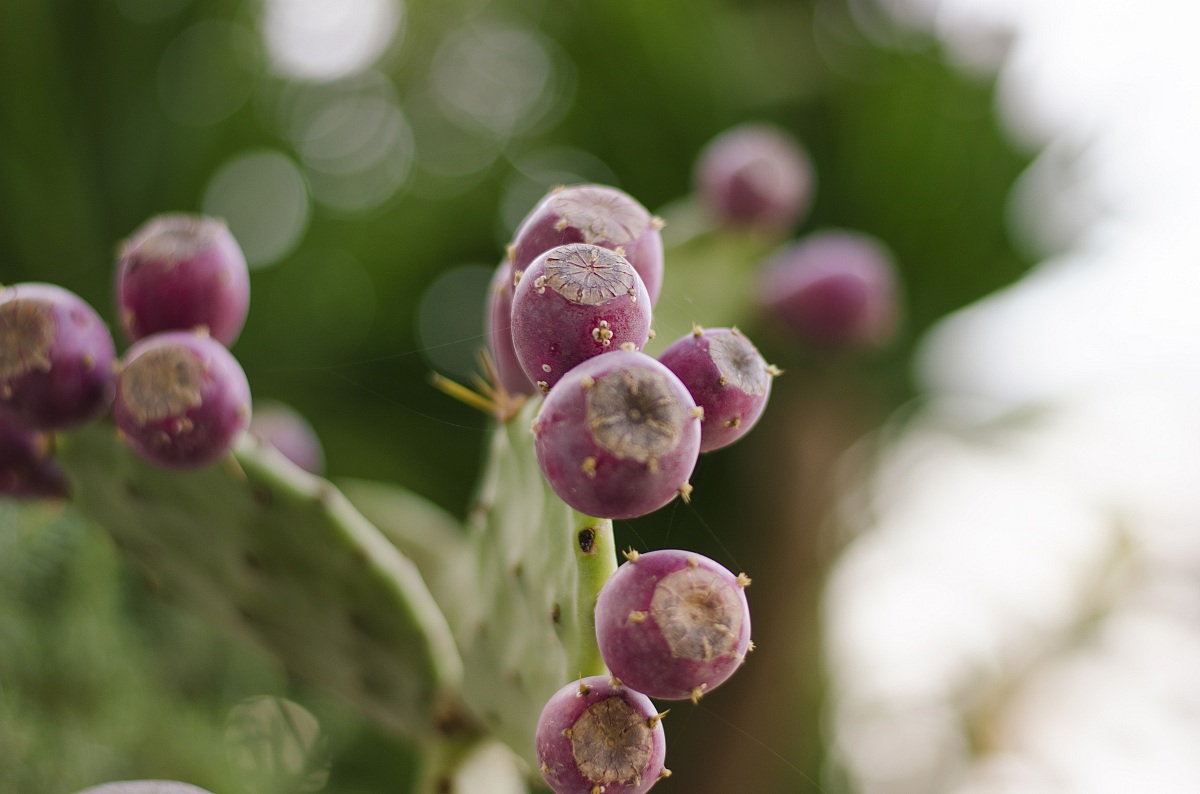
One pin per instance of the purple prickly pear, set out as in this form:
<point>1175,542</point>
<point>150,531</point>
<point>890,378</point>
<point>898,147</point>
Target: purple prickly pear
<point>499,329</point>
<point>179,272</point>
<point>56,358</point>
<point>26,469</point>
<point>182,399</point>
<point>618,436</point>
<point>596,215</point>
<point>598,735</point>
<point>572,303</point>
<point>673,624</point>
<point>289,432</point>
<point>833,290</point>
<point>726,376</point>
<point>756,176</point>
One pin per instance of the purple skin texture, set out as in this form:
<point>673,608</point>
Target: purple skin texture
<point>755,176</point>
<point>598,735</point>
<point>618,436</point>
<point>182,399</point>
<point>56,358</point>
<point>290,433</point>
<point>833,290</point>
<point>596,215</point>
<point>673,624</point>
<point>26,469</point>
<point>726,376</point>
<point>499,327</point>
<point>572,303</point>
<point>179,272</point>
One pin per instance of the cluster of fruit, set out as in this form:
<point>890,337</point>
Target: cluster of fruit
<point>178,396</point>
<point>618,435</point>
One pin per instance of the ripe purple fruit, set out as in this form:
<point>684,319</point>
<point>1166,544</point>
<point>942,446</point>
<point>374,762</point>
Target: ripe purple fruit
<point>757,176</point>
<point>598,735</point>
<point>726,376</point>
<point>182,399</point>
<point>179,272</point>
<point>572,303</point>
<point>596,215</point>
<point>618,436</point>
<point>281,427</point>
<point>833,290</point>
<point>56,358</point>
<point>673,624</point>
<point>26,469</point>
<point>499,329</point>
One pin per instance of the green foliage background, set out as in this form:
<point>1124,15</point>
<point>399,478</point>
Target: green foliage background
<point>101,680</point>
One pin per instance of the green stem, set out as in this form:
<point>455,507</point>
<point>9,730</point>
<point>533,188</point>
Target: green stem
<point>596,560</point>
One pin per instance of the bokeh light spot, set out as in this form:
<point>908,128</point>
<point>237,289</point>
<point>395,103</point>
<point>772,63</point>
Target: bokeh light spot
<point>263,198</point>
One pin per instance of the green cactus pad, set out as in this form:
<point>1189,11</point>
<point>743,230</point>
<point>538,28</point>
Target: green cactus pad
<point>281,557</point>
<point>538,566</point>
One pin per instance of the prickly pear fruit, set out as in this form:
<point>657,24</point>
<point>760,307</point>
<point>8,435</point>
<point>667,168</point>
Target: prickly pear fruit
<point>599,735</point>
<point>596,215</point>
<point>572,303</point>
<point>833,290</point>
<point>618,436</point>
<point>280,426</point>
<point>756,176</point>
<point>726,376</point>
<point>26,469</point>
<point>145,787</point>
<point>179,272</point>
<point>673,624</point>
<point>182,399</point>
<point>56,358</point>
<point>499,330</point>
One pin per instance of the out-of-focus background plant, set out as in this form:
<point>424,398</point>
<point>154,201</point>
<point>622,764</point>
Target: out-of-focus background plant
<point>373,158</point>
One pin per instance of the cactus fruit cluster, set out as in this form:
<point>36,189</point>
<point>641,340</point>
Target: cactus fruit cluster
<point>515,626</point>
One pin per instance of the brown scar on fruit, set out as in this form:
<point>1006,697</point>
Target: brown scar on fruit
<point>26,337</point>
<point>162,382</point>
<point>171,239</point>
<point>601,216</point>
<point>733,422</point>
<point>611,743</point>
<point>699,615</point>
<point>635,415</point>
<point>587,275</point>
<point>738,361</point>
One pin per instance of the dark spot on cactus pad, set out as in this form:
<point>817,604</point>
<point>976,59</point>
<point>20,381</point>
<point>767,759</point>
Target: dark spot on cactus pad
<point>587,542</point>
<point>162,382</point>
<point>611,742</point>
<point>133,492</point>
<point>700,617</point>
<point>445,785</point>
<point>633,413</point>
<point>739,363</point>
<point>262,495</point>
<point>26,337</point>
<point>589,275</point>
<point>253,562</point>
<point>556,612</point>
<point>360,623</point>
